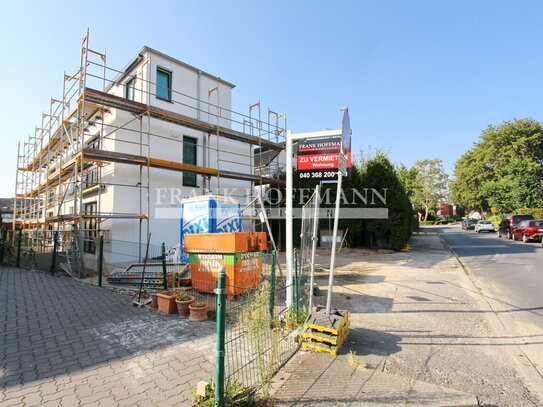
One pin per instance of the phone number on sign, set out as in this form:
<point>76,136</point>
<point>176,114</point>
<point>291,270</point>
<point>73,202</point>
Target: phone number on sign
<point>326,174</point>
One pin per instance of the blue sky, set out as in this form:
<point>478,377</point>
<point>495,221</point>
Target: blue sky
<point>422,78</point>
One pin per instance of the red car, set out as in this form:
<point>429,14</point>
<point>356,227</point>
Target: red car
<point>529,230</point>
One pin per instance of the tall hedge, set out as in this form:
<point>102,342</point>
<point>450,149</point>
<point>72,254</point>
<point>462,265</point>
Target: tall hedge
<point>378,173</point>
<point>395,231</point>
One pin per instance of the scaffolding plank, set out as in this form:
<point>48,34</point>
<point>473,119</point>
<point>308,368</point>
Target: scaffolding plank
<point>123,158</point>
<point>70,217</point>
<point>117,102</point>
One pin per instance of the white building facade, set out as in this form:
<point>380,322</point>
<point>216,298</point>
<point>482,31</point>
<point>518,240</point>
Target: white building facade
<point>116,162</point>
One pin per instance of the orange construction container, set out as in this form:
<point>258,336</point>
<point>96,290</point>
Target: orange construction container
<point>239,252</point>
<point>236,242</point>
<point>243,271</point>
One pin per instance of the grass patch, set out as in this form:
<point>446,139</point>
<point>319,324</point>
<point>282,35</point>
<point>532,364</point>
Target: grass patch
<point>356,361</point>
<point>235,395</point>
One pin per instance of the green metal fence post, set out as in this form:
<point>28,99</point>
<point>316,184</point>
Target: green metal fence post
<point>272,283</point>
<point>164,274</point>
<point>296,293</point>
<point>54,254</point>
<point>220,291</point>
<point>3,244</point>
<point>18,262</point>
<point>100,261</point>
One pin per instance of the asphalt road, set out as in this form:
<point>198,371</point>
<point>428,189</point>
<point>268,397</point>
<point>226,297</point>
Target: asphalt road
<point>509,271</point>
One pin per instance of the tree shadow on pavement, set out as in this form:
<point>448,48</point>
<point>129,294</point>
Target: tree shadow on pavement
<point>371,342</point>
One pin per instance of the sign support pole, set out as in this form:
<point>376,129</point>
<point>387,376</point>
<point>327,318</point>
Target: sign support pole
<point>344,147</point>
<point>334,239</point>
<point>288,215</point>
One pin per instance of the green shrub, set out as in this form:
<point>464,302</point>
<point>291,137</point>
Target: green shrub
<point>258,323</point>
<point>295,316</point>
<point>182,296</point>
<point>535,212</point>
<point>426,222</point>
<point>235,395</point>
<point>495,219</point>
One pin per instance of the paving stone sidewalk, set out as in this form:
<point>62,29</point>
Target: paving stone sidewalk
<point>318,379</point>
<point>66,343</point>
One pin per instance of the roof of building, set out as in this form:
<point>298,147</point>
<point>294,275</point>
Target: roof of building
<point>138,57</point>
<point>177,61</point>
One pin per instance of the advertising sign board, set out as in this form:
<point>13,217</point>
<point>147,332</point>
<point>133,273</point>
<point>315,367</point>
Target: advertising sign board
<point>319,159</point>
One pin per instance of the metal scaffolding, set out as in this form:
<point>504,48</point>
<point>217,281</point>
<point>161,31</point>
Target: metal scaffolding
<point>65,160</point>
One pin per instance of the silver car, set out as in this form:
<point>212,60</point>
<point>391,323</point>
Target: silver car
<point>484,226</point>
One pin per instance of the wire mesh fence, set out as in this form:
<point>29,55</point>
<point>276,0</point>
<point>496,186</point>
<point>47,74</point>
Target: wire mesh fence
<point>27,250</point>
<point>95,261</point>
<point>260,328</point>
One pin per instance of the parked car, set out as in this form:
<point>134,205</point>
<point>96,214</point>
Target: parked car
<point>511,222</point>
<point>528,230</point>
<point>468,224</point>
<point>484,226</point>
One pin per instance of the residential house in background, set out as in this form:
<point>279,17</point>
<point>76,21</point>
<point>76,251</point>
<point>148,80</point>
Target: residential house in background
<point>6,212</point>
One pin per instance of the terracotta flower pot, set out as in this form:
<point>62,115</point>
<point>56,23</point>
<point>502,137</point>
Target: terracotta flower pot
<point>154,301</point>
<point>183,306</point>
<point>198,313</point>
<point>166,302</point>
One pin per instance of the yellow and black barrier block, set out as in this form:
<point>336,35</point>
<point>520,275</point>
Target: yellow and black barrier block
<point>323,346</point>
<point>327,337</point>
<point>326,332</point>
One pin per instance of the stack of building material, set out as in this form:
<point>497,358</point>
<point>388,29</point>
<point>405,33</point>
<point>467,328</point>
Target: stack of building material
<point>326,332</point>
<point>153,279</point>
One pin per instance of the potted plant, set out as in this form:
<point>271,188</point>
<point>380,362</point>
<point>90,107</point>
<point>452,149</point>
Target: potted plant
<point>166,301</point>
<point>198,311</point>
<point>183,300</point>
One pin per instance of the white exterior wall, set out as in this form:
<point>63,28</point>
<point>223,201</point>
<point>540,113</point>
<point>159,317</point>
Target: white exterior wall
<point>235,155</point>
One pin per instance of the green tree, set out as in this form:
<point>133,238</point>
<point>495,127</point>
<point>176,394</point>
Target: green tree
<point>409,179</point>
<point>432,184</point>
<point>466,188</point>
<point>518,188</point>
<point>504,169</point>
